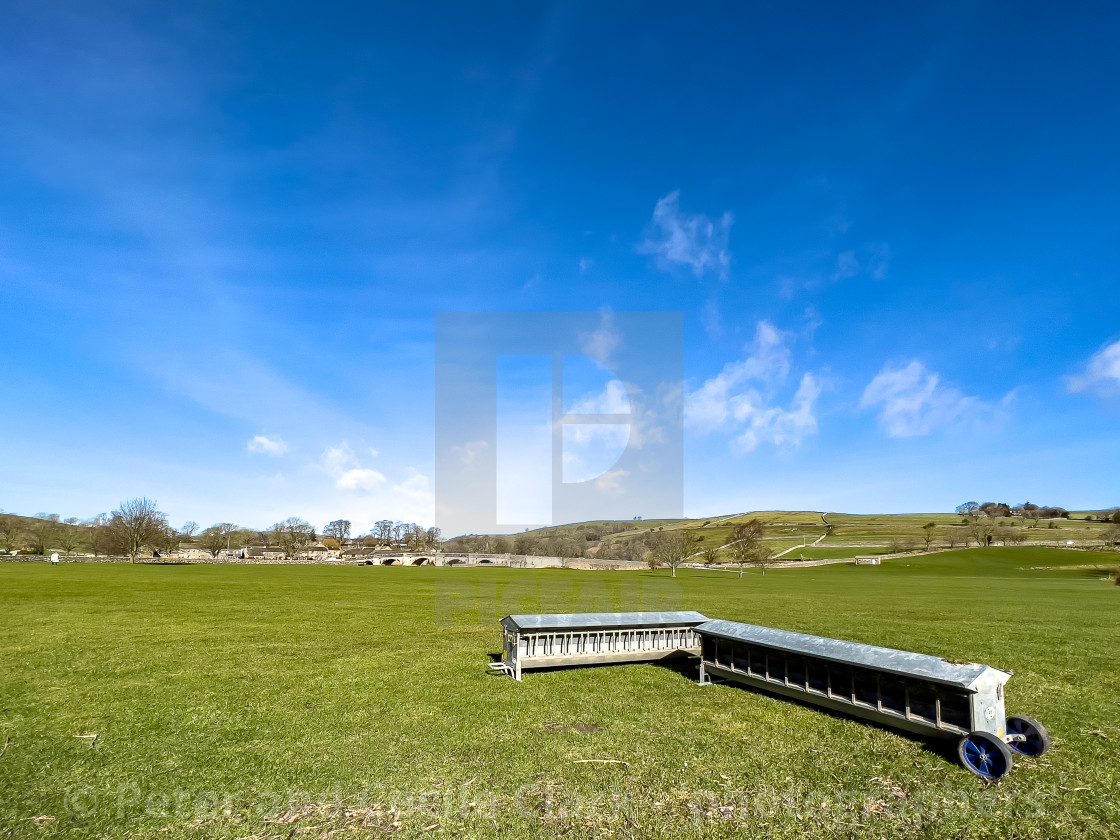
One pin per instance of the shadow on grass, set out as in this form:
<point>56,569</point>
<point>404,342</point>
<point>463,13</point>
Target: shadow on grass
<point>688,667</point>
<point>1104,573</point>
<point>942,746</point>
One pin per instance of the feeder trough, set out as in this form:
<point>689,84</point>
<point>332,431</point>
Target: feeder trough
<point>558,640</point>
<point>914,692</point>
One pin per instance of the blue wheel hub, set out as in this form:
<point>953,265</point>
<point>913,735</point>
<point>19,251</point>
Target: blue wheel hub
<point>1032,743</point>
<point>984,757</point>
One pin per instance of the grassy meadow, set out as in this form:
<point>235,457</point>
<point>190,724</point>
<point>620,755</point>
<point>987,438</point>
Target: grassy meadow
<point>312,701</point>
<point>846,535</point>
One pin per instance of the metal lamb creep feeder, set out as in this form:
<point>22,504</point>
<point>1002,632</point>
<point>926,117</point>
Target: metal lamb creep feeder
<point>557,640</point>
<point>915,692</point>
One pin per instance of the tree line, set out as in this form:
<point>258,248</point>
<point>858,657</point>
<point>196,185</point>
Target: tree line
<point>1027,510</point>
<point>138,525</point>
<point>658,547</point>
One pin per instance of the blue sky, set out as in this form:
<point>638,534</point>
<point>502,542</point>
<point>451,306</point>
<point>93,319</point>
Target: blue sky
<point>226,228</point>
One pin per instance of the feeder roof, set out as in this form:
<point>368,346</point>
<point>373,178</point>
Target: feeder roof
<point>900,662</point>
<point>594,621</point>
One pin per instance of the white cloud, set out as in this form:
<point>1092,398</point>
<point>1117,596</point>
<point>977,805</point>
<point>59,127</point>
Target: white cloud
<point>712,319</point>
<point>1102,373</point>
<point>341,464</point>
<point>414,488</point>
<point>264,445</point>
<point>690,239</point>
<point>913,401</point>
<point>359,478</point>
<point>871,259</point>
<point>613,399</point>
<point>642,427</point>
<point>728,402</point>
<point>469,453</point>
<point>599,344</point>
<point>612,482</point>
<point>762,422</point>
<point>589,449</point>
<point>711,406</point>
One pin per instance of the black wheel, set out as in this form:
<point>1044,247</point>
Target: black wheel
<point>985,755</point>
<point>1037,738</point>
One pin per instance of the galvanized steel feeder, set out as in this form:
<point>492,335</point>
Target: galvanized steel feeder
<point>914,692</point>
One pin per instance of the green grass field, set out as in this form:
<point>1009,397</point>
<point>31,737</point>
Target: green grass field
<point>827,552</point>
<point>310,701</point>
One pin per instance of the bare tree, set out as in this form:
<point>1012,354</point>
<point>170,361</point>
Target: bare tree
<point>950,536</point>
<point>995,510</point>
<point>709,556</point>
<point>97,534</point>
<point>929,532</point>
<point>968,508</point>
<point>746,545</point>
<point>245,536</point>
<point>432,535</point>
<point>11,533</point>
<point>415,538</point>
<point>671,549</point>
<point>43,532</point>
<point>135,524</point>
<point>339,530</point>
<point>217,538</point>
<point>189,529</point>
<point>383,531</point>
<point>293,536</point>
<point>1112,535</point>
<point>167,540</point>
<point>69,536</point>
<point>981,531</point>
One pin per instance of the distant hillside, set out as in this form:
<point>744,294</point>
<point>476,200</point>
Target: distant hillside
<point>805,534</point>
<point>40,535</point>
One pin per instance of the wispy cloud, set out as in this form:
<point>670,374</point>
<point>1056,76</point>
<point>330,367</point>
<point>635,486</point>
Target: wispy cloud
<point>689,239</point>
<point>711,318</point>
<point>1102,373</point>
<point>264,445</point>
<point>591,448</point>
<point>711,406</point>
<point>599,344</point>
<point>416,488</point>
<point>913,401</point>
<point>471,453</point>
<point>612,482</point>
<point>740,399</point>
<point>871,259</point>
<point>342,465</point>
